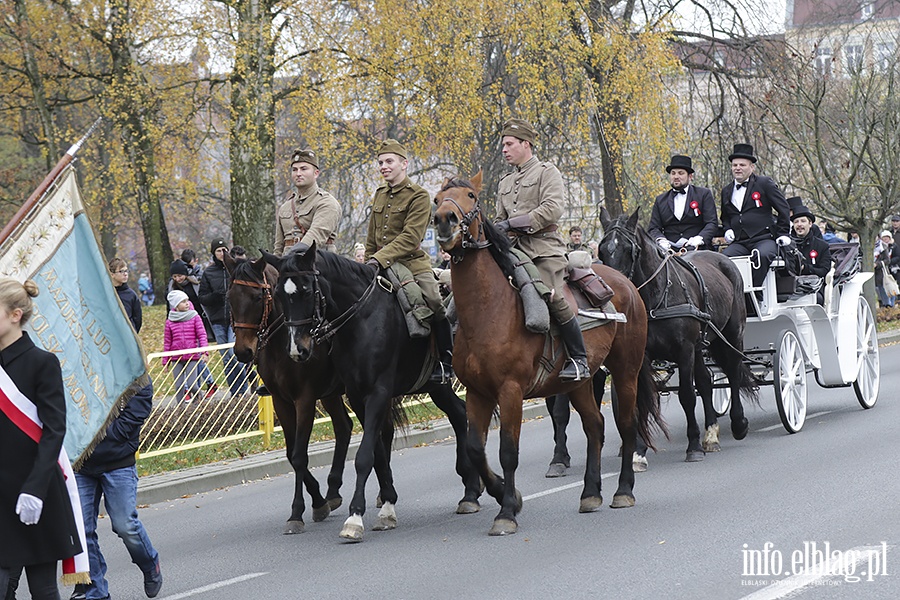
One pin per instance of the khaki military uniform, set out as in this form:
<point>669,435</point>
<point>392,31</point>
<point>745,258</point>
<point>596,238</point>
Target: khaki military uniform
<point>313,218</point>
<point>536,189</point>
<point>400,217</point>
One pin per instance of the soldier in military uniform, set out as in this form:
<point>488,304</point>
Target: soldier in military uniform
<point>685,215</point>
<point>747,206</point>
<point>529,204</point>
<point>401,211</point>
<point>310,214</point>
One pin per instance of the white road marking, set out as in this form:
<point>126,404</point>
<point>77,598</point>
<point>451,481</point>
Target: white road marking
<point>812,416</point>
<point>562,488</point>
<point>786,587</point>
<point>214,586</point>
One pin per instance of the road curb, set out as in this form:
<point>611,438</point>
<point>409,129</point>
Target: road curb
<point>153,489</point>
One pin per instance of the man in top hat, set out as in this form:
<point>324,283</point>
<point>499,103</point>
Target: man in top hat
<point>529,204</point>
<point>748,203</point>
<point>401,211</point>
<point>311,214</point>
<point>685,215</point>
<point>814,250</point>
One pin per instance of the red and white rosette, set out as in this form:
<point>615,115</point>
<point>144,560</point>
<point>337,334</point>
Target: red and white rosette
<point>812,256</point>
<point>757,199</point>
<point>695,207</point>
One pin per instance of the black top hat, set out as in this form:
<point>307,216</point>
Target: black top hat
<point>799,210</point>
<point>743,151</point>
<point>794,202</point>
<point>679,161</point>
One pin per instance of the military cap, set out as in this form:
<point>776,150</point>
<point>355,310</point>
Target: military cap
<point>519,128</point>
<point>392,146</point>
<point>305,155</point>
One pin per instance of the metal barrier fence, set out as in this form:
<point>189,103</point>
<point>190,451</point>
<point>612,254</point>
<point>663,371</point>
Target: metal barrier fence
<point>206,402</point>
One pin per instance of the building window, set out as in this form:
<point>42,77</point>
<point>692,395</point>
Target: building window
<point>853,58</point>
<point>884,55</point>
<point>866,9</point>
<point>823,60</point>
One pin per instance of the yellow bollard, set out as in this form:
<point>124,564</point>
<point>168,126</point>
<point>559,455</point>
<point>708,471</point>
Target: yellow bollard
<point>266,419</point>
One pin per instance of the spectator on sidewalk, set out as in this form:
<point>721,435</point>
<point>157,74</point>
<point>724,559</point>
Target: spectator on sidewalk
<point>181,280</point>
<point>184,331</point>
<point>195,269</point>
<point>119,272</point>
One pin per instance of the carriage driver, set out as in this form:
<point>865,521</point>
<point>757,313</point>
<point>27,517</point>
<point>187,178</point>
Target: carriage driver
<point>685,215</point>
<point>747,205</point>
<point>310,214</point>
<point>814,250</point>
<point>529,203</point>
<point>401,211</point>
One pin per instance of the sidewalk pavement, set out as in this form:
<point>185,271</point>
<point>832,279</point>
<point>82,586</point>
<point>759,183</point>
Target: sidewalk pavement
<point>196,480</point>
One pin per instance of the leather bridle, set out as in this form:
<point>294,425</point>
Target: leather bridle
<point>264,330</point>
<point>467,218</point>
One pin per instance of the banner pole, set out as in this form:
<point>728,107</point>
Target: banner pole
<point>37,194</point>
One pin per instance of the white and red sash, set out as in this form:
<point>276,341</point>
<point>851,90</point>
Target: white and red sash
<point>23,413</point>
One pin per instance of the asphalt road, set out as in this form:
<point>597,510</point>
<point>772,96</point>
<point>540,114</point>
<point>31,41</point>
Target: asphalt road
<point>699,530</point>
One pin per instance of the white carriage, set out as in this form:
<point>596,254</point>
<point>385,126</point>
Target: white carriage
<point>786,339</point>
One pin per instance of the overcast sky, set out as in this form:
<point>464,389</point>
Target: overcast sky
<point>759,16</point>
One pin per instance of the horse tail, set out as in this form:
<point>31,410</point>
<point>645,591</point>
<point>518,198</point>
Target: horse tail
<point>399,417</point>
<point>749,384</point>
<point>650,420</point>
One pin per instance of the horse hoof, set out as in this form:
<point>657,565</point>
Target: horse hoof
<point>739,430</point>
<point>321,513</point>
<point>292,527</point>
<point>693,456</point>
<point>556,470</point>
<point>335,503</point>
<point>711,447</point>
<point>467,507</point>
<point>353,529</point>
<point>385,523</point>
<point>590,504</point>
<point>622,501</point>
<point>639,463</point>
<point>503,527</point>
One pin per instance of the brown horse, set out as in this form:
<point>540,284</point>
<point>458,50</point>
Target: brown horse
<point>259,336</point>
<point>498,359</point>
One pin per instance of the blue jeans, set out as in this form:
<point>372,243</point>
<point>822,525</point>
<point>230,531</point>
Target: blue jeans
<point>119,488</point>
<point>235,371</point>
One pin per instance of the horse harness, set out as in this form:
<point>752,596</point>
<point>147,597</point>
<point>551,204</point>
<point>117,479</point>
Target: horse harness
<point>468,240</point>
<point>264,330</point>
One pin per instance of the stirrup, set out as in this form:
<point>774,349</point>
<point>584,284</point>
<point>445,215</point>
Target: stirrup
<point>573,371</point>
<point>442,373</point>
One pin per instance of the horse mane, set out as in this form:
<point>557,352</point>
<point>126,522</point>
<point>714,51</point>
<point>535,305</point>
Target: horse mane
<point>500,245</point>
<point>245,270</point>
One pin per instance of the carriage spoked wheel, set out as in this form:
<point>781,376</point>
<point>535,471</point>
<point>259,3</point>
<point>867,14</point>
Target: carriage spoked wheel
<point>868,375</point>
<point>790,381</point>
<point>721,397</point>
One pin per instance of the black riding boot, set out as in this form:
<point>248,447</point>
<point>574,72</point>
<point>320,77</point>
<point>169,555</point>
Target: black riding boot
<point>576,368</point>
<point>443,338</point>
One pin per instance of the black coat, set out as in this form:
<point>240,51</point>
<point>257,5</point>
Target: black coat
<point>818,264</point>
<point>123,436</point>
<point>213,287</point>
<point>664,223</point>
<point>132,305</point>
<point>755,219</point>
<point>29,467</point>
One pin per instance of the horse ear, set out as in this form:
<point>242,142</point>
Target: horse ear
<point>229,262</point>
<point>605,220</point>
<point>259,264</point>
<point>633,219</point>
<point>273,260</point>
<point>476,181</point>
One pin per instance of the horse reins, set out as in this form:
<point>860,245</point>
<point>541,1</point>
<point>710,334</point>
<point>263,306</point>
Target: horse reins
<point>263,329</point>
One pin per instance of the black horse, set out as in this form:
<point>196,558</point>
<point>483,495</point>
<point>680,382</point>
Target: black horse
<point>260,336</point>
<point>693,302</point>
<point>326,296</point>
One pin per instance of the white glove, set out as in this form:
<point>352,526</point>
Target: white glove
<point>29,509</point>
<point>680,243</point>
<point>664,244</point>
<point>695,241</point>
<point>729,236</point>
<point>783,240</point>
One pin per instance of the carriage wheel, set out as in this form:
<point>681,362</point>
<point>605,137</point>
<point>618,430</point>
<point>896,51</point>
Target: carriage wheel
<point>790,381</point>
<point>721,397</point>
<point>868,375</point>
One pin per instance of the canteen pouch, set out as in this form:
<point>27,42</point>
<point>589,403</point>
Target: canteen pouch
<point>592,286</point>
<point>412,301</point>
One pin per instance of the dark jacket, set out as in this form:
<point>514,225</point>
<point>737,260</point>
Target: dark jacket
<point>213,287</point>
<point>700,220</point>
<point>118,448</point>
<point>32,468</point>
<point>755,219</point>
<point>816,255</point>
<point>132,305</point>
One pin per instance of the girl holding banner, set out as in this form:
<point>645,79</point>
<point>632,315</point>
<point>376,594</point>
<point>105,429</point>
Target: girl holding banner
<point>38,495</point>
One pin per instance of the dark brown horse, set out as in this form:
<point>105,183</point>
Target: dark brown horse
<point>259,336</point>
<point>498,359</point>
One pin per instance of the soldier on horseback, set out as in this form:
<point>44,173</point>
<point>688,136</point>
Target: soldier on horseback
<point>529,203</point>
<point>401,211</point>
<point>311,214</point>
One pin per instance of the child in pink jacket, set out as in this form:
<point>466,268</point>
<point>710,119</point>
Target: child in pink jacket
<point>184,331</point>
